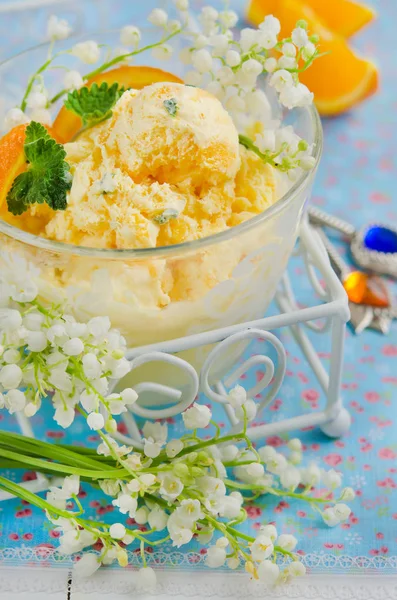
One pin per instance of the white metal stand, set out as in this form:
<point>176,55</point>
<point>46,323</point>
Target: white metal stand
<point>332,311</point>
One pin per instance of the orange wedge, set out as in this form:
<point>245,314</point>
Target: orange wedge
<point>67,124</point>
<point>340,79</point>
<point>344,17</point>
<point>12,159</point>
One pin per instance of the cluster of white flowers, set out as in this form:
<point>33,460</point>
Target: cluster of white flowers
<point>266,545</point>
<point>227,65</point>
<point>285,149</point>
<point>183,488</point>
<point>230,67</point>
<point>280,472</point>
<point>46,352</point>
<point>159,18</point>
<point>193,502</point>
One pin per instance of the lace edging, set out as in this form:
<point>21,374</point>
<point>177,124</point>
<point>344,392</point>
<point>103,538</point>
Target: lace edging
<point>46,556</point>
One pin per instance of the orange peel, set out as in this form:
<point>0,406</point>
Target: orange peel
<point>343,17</point>
<point>67,124</point>
<point>340,79</point>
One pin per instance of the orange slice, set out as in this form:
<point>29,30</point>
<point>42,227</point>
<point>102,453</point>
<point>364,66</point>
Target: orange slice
<point>341,78</point>
<point>12,159</point>
<point>67,124</point>
<point>344,17</point>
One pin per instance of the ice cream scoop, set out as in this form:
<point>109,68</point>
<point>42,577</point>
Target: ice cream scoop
<point>175,133</point>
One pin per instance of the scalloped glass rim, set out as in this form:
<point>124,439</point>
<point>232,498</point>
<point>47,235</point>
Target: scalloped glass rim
<point>176,249</point>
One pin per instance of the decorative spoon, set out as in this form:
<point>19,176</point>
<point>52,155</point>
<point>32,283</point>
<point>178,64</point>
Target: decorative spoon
<point>374,247</point>
<point>370,302</point>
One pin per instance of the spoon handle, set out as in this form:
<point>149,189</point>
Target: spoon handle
<point>319,217</point>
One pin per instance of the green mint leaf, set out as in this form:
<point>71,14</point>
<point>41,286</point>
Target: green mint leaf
<point>47,178</point>
<point>94,104</point>
<point>165,216</point>
<point>171,106</point>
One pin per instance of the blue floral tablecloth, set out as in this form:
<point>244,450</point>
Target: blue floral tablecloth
<point>357,181</point>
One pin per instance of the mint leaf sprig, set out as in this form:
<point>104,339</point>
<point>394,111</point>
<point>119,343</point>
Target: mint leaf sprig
<point>47,178</point>
<point>94,104</point>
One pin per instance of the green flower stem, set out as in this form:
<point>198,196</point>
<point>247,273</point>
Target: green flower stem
<point>35,500</point>
<point>159,501</point>
<point>33,78</point>
<point>237,463</point>
<point>24,494</point>
<point>250,539</point>
<point>80,374</point>
<point>229,534</point>
<point>240,519</point>
<point>116,60</point>
<point>33,446</point>
<point>11,464</point>
<point>65,469</point>
<point>246,438</point>
<point>46,450</point>
<point>285,552</point>
<point>122,57</point>
<point>240,534</point>
<point>112,451</point>
<point>237,485</point>
<point>237,437</point>
<point>158,542</point>
<point>217,428</point>
<point>142,550</point>
<point>83,451</point>
<point>284,493</point>
<point>78,503</point>
<point>267,158</point>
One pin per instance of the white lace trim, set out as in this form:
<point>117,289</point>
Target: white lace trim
<point>319,562</point>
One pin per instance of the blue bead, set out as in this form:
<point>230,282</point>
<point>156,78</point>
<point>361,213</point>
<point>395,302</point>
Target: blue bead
<point>381,239</point>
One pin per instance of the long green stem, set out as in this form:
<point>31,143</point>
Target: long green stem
<point>24,494</point>
<point>116,60</point>
<point>240,534</point>
<point>285,493</point>
<point>34,77</point>
<point>46,450</point>
<point>267,158</point>
<point>213,442</point>
<point>65,469</point>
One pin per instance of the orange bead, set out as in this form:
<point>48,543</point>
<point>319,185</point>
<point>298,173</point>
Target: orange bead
<point>366,289</point>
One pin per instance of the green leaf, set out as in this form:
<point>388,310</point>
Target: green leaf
<point>171,106</point>
<point>94,104</point>
<point>47,178</point>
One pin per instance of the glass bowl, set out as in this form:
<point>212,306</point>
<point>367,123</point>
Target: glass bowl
<point>157,294</point>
